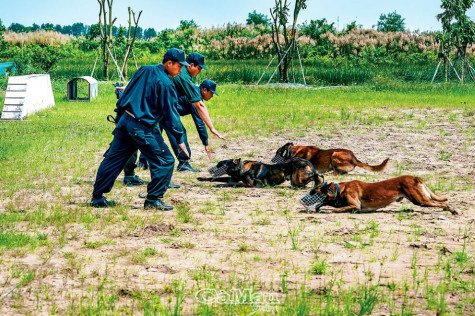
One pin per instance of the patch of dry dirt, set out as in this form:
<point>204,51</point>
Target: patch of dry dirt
<point>252,235</point>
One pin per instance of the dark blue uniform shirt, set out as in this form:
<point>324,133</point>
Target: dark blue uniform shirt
<point>151,97</point>
<point>186,107</point>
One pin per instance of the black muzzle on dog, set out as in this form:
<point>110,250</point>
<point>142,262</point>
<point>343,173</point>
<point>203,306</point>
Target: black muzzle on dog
<point>217,172</point>
<point>313,202</point>
<point>278,159</point>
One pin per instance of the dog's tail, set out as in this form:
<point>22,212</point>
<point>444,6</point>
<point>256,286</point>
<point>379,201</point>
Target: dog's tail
<point>432,195</point>
<point>377,168</point>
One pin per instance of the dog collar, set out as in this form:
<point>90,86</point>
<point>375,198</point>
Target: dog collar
<point>290,151</point>
<point>337,190</point>
<point>240,165</point>
<point>337,194</point>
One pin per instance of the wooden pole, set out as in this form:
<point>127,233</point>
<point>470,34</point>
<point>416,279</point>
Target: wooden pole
<point>436,69</point>
<point>279,63</point>
<point>301,67</point>
<point>116,65</point>
<point>273,57</point>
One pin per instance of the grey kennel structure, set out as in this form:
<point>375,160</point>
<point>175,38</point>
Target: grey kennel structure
<point>72,89</point>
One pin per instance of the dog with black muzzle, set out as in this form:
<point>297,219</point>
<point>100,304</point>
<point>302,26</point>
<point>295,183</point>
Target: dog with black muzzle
<point>340,161</point>
<point>363,196</point>
<point>257,174</point>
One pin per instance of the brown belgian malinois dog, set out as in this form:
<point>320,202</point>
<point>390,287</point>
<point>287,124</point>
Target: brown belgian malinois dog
<point>340,161</point>
<point>257,174</point>
<point>358,195</point>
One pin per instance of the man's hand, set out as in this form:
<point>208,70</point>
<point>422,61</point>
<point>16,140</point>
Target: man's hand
<point>183,148</point>
<point>208,151</point>
<point>215,132</point>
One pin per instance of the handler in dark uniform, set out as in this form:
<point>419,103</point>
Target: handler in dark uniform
<point>185,107</point>
<point>149,98</point>
<point>185,87</point>
<point>130,178</point>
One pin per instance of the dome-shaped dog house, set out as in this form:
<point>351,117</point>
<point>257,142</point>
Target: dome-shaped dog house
<point>82,89</point>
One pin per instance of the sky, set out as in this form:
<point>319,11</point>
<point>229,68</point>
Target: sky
<point>160,14</point>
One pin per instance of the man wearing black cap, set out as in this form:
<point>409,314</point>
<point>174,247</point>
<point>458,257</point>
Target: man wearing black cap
<point>149,98</point>
<point>206,90</point>
<point>186,88</point>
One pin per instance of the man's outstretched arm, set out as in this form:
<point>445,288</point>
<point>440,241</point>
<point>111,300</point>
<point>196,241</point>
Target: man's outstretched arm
<point>203,111</point>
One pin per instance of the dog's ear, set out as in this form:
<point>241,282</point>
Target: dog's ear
<point>237,161</point>
<point>289,145</point>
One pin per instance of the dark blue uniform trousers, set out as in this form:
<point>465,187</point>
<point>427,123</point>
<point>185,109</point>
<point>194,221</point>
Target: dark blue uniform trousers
<point>179,154</point>
<point>129,168</point>
<point>130,135</point>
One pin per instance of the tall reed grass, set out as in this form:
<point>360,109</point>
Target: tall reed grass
<point>318,71</point>
<point>38,37</point>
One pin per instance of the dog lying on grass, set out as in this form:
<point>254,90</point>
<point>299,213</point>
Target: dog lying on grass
<point>257,174</point>
<point>358,195</point>
<point>340,161</point>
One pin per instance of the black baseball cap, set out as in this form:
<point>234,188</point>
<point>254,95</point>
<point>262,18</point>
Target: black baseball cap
<point>175,54</point>
<point>210,85</point>
<point>197,59</point>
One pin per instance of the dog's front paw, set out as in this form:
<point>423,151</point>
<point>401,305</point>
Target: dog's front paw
<point>320,211</point>
<point>201,179</point>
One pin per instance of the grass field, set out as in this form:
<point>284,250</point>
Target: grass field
<point>241,250</point>
<point>317,71</point>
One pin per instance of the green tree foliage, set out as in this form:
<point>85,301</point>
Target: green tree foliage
<point>3,44</point>
<point>67,29</point>
<point>139,31</point>
<point>184,36</point>
<point>17,28</point>
<point>256,19</point>
<point>149,33</point>
<point>187,24</point>
<point>2,28</point>
<point>78,29</point>
<point>45,57</point>
<point>115,30</point>
<point>315,29</point>
<point>165,37</point>
<point>94,32</point>
<point>120,37</point>
<point>47,26</point>
<point>458,30</point>
<point>352,26</point>
<point>392,22</point>
<point>38,58</point>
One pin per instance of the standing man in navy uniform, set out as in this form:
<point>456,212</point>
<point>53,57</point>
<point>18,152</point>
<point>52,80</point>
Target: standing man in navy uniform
<point>148,99</point>
<point>185,87</point>
<point>206,90</point>
<point>130,178</point>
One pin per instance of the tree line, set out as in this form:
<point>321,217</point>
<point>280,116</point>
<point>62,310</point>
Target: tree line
<point>262,36</point>
<point>80,29</point>
<point>391,22</point>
